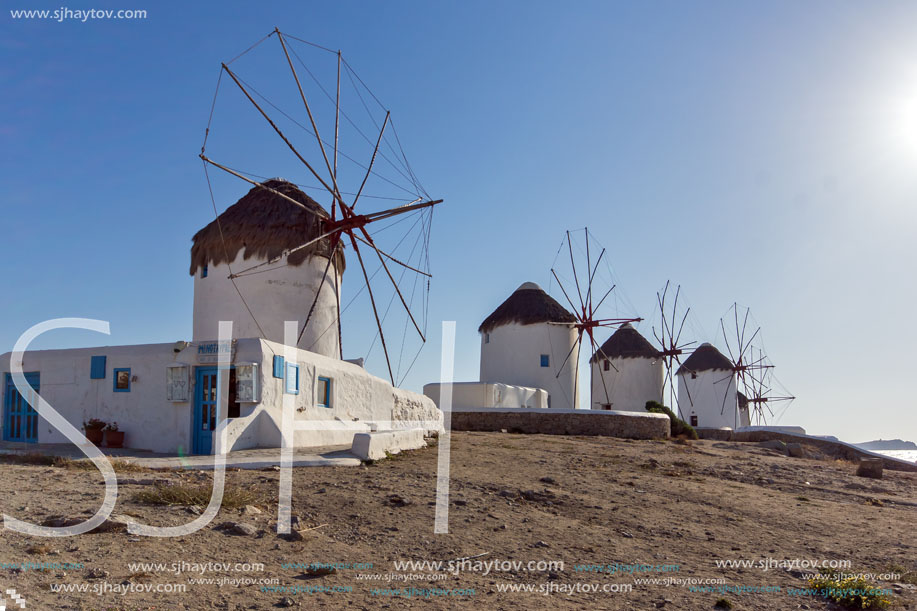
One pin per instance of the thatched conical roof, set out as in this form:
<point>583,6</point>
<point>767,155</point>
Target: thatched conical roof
<point>264,225</point>
<point>528,305</point>
<point>705,358</point>
<point>626,343</point>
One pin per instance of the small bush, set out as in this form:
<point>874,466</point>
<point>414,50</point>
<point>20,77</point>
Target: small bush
<point>679,426</point>
<point>189,495</point>
<point>723,603</point>
<point>851,592</point>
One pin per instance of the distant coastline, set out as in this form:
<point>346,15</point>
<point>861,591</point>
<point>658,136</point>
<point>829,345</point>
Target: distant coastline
<point>888,444</point>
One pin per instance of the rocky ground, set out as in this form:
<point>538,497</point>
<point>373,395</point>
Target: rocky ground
<point>661,510</point>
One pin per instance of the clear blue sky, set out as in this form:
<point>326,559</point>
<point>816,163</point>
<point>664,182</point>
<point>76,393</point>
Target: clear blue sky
<point>764,153</point>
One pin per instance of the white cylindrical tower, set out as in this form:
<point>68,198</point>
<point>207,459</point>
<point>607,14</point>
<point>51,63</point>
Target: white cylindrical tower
<point>707,389</point>
<point>626,372</point>
<point>259,228</point>
<point>525,341</point>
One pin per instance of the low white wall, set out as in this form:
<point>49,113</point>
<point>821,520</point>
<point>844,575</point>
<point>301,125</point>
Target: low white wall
<point>628,385</point>
<point>796,430</point>
<point>376,446</point>
<point>486,394</point>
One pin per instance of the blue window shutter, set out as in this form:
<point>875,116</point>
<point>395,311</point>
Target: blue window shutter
<point>278,366</point>
<point>545,360</point>
<point>97,368</point>
<point>292,380</point>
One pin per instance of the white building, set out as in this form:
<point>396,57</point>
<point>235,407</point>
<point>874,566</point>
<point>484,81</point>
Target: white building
<point>474,395</point>
<point>627,371</point>
<point>169,397</point>
<point>255,231</point>
<point>707,394</point>
<point>525,343</point>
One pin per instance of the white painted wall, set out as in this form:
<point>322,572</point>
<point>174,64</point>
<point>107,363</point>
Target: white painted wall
<point>745,417</point>
<point>467,395</point>
<point>629,384</point>
<point>360,401</point>
<point>513,356</point>
<point>149,421</point>
<point>795,430</point>
<point>703,395</point>
<point>282,293</point>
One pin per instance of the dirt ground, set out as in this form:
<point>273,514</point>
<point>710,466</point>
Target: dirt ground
<point>630,510</point>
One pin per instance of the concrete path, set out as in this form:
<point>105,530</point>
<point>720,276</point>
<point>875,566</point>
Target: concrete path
<point>258,458</point>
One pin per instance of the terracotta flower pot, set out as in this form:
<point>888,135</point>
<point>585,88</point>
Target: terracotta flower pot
<point>94,436</point>
<point>114,439</point>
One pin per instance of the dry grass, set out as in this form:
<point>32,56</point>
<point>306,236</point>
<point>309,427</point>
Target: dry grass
<point>63,462</point>
<point>143,577</point>
<point>31,458</point>
<point>193,495</point>
<point>121,466</point>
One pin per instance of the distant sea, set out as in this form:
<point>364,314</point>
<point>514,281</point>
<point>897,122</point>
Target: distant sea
<point>910,455</point>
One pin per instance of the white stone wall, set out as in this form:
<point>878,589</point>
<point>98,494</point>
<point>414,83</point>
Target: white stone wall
<point>149,421</point>
<point>704,396</point>
<point>629,384</point>
<point>282,293</point>
<point>513,356</point>
<point>467,395</point>
<point>360,401</point>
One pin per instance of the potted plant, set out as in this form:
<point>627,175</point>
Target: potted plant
<point>113,437</point>
<point>93,430</point>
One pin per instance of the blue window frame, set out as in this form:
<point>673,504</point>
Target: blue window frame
<point>97,368</point>
<point>204,271</point>
<point>278,366</point>
<point>20,419</point>
<point>292,381</point>
<point>323,392</point>
<point>122,380</point>
<point>545,360</point>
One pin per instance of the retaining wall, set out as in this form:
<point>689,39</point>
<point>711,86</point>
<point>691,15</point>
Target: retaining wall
<point>563,422</point>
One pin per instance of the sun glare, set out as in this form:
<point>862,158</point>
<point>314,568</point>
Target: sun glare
<point>904,125</point>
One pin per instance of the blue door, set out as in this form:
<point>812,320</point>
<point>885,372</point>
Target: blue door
<point>20,420</point>
<point>205,410</point>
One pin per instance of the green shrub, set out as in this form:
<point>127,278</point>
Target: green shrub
<point>723,603</point>
<point>851,592</point>
<point>679,426</point>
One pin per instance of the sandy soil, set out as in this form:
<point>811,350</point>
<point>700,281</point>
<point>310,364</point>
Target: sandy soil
<point>576,500</point>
